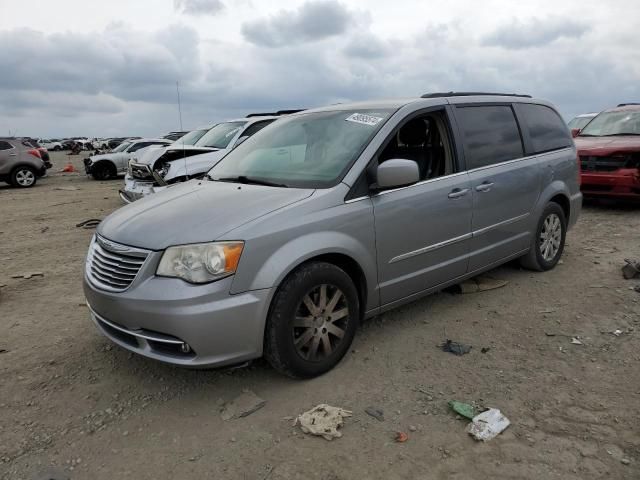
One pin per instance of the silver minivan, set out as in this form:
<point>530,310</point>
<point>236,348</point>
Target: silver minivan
<point>327,217</point>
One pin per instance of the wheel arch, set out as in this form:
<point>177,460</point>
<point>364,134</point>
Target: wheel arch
<point>557,192</point>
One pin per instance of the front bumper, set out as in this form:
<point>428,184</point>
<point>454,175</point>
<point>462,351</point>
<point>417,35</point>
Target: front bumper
<point>137,189</point>
<point>158,317</point>
<point>623,183</point>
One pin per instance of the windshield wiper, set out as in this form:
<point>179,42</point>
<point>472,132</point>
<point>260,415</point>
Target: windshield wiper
<point>588,135</point>
<point>249,181</point>
<point>623,133</point>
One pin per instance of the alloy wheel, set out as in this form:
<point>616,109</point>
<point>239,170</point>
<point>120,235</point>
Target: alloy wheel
<point>25,178</point>
<point>550,237</point>
<point>320,322</point>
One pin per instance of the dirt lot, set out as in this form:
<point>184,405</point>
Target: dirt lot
<point>72,405</point>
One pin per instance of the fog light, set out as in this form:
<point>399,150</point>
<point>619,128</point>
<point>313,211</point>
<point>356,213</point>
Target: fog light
<point>185,347</point>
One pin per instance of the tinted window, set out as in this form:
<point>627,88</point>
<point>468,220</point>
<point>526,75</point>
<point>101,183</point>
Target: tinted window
<point>5,145</point>
<point>490,135</point>
<point>256,127</point>
<point>546,129</point>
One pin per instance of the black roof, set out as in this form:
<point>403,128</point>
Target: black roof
<point>471,94</point>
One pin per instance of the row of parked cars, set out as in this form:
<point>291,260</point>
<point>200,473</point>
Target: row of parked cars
<point>608,146</point>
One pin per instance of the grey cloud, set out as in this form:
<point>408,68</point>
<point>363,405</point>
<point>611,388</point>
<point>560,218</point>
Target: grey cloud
<point>535,32</point>
<point>313,20</point>
<point>198,7</point>
<point>367,46</point>
<point>119,61</point>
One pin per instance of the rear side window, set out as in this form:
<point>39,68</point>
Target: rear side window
<point>255,128</point>
<point>546,129</point>
<point>490,135</point>
<point>5,145</point>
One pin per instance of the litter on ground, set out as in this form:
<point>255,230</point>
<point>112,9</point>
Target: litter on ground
<point>91,223</point>
<point>631,268</point>
<point>463,409</point>
<point>323,420</point>
<point>575,341</point>
<point>481,284</point>
<point>401,437</point>
<point>488,425</point>
<point>375,412</point>
<point>242,406</point>
<point>456,348</point>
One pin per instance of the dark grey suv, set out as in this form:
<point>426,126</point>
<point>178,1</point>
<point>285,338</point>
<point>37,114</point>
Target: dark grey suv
<point>329,216</point>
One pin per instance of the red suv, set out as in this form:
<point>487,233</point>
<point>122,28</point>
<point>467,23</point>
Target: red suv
<point>609,151</point>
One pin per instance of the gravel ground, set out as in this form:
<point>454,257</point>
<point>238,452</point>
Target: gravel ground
<point>72,405</point>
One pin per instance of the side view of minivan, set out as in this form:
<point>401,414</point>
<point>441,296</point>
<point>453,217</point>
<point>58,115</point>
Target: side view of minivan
<point>327,217</point>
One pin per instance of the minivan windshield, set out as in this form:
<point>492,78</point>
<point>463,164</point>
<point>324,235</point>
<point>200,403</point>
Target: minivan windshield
<point>220,136</point>
<point>191,138</point>
<point>613,123</point>
<point>308,150</point>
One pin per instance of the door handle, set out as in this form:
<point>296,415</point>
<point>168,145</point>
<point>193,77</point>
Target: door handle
<point>484,187</point>
<point>458,192</point>
<point>13,154</point>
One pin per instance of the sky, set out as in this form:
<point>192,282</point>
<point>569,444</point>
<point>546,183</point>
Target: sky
<point>80,68</point>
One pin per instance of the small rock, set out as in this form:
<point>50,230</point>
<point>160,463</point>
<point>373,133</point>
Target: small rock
<point>625,461</point>
<point>125,433</point>
<point>412,428</point>
<point>233,439</point>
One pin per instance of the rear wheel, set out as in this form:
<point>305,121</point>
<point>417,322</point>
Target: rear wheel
<point>103,171</point>
<point>312,321</point>
<point>23,177</point>
<point>548,243</point>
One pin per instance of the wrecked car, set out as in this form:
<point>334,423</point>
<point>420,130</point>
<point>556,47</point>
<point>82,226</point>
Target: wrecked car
<point>111,164</point>
<point>609,151</point>
<point>154,170</point>
<point>329,216</point>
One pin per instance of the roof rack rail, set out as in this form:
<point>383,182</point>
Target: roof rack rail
<point>627,104</point>
<point>289,112</point>
<point>274,114</point>
<point>471,94</point>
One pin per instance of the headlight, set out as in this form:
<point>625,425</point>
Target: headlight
<point>201,262</point>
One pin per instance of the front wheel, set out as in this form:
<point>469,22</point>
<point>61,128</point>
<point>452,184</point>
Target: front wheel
<point>548,242</point>
<point>312,320</point>
<point>103,171</point>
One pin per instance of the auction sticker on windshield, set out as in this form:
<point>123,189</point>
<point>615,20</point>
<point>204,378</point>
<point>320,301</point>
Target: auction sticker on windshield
<point>364,119</point>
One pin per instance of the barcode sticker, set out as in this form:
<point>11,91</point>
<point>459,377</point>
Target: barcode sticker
<point>364,119</point>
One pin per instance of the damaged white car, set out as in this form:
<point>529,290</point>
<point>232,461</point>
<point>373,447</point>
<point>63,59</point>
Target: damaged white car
<point>154,170</point>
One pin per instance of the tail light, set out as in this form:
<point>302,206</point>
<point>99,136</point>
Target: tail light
<point>35,153</point>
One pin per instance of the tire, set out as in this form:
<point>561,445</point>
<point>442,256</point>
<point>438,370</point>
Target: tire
<point>544,255</point>
<point>103,171</point>
<point>297,333</point>
<point>23,177</point>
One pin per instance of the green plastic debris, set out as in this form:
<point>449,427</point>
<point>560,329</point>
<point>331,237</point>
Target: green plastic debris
<point>464,409</point>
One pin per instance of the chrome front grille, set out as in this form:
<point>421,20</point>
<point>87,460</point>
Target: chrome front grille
<point>111,266</point>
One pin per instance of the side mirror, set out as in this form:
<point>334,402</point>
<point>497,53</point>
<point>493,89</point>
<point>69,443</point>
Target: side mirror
<point>397,172</point>
<point>575,132</point>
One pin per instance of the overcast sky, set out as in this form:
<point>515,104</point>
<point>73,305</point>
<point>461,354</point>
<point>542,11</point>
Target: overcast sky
<point>109,68</point>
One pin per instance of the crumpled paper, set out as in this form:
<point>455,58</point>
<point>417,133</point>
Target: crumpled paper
<point>323,420</point>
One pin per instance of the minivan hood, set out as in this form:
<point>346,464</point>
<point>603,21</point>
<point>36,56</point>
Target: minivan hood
<point>193,212</point>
